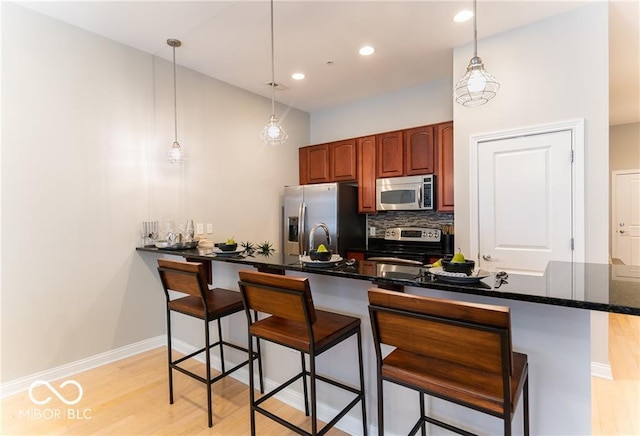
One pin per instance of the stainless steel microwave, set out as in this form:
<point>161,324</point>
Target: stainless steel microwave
<point>406,193</point>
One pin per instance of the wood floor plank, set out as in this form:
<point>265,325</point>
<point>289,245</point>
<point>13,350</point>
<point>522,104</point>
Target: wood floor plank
<point>616,403</point>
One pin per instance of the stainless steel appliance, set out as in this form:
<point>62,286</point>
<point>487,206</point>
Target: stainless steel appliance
<point>330,210</point>
<point>406,193</point>
<point>407,245</point>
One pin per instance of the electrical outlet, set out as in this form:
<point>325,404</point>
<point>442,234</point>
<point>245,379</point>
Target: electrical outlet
<point>209,228</point>
<point>372,231</point>
<point>199,229</point>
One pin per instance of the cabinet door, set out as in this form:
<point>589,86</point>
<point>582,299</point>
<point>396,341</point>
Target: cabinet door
<point>367,174</point>
<point>444,180</point>
<point>418,151</point>
<point>319,164</point>
<point>303,165</point>
<point>389,154</point>
<point>343,161</point>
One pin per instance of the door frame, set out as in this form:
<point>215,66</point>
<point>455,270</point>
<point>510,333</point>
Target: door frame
<point>576,127</point>
<point>613,246</point>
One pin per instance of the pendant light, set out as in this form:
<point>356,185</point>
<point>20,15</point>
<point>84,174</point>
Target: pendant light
<point>273,133</point>
<point>175,154</point>
<point>477,86</point>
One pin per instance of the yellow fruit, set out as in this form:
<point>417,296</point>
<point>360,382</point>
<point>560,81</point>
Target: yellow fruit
<point>437,263</point>
<point>230,241</point>
<point>458,257</point>
<point>321,248</point>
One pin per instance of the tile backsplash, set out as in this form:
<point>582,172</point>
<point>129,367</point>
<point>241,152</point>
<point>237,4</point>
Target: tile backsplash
<point>402,218</point>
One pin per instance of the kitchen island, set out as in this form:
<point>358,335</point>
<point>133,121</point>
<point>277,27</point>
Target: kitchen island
<point>548,319</point>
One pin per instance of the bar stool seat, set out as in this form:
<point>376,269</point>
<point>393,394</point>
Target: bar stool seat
<point>295,323</point>
<point>328,328</point>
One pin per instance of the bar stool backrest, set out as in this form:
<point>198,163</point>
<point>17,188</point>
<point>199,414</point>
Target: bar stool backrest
<point>185,277</point>
<point>470,335</point>
<point>282,296</point>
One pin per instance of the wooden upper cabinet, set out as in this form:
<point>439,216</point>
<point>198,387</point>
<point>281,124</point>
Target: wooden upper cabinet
<point>343,159</point>
<point>389,154</point>
<point>367,174</point>
<point>319,164</point>
<point>444,178</point>
<point>303,165</point>
<point>419,151</point>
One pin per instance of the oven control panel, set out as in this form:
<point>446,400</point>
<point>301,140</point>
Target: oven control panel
<point>412,234</point>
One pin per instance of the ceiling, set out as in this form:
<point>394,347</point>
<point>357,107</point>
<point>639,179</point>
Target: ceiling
<point>230,41</point>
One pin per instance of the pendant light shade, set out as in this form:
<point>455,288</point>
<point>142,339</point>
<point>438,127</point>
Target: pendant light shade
<point>176,154</point>
<point>477,86</point>
<point>273,133</point>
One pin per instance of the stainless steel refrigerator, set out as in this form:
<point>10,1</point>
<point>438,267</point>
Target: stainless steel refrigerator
<point>332,204</point>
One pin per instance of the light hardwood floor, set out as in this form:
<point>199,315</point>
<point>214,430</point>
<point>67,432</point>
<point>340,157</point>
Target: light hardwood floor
<point>615,404</point>
<point>129,397</point>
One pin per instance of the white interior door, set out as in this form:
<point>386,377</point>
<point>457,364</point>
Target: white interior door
<point>525,201</point>
<point>626,216</point>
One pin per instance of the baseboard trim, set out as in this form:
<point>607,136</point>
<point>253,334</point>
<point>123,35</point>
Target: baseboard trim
<point>601,370</point>
<point>22,384</point>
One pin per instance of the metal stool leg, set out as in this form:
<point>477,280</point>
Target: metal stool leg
<point>304,384</point>
<point>170,357</point>
<point>208,363</point>
<point>255,317</point>
<point>221,347</point>
<point>361,368</point>
<point>380,405</point>
<point>422,413</point>
<point>314,408</point>
<point>252,395</point>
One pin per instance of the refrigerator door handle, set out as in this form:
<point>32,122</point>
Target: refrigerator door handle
<point>301,236</point>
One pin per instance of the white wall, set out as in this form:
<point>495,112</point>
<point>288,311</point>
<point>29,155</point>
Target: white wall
<point>552,70</point>
<point>410,107</point>
<point>85,126</point>
<point>624,147</point>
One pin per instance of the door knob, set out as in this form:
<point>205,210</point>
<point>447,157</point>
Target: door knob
<point>486,256</point>
<point>621,231</point>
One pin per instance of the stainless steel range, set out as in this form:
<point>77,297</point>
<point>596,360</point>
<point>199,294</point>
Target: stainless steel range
<point>410,245</point>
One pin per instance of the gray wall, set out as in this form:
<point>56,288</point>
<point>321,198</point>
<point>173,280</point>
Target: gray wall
<point>86,123</point>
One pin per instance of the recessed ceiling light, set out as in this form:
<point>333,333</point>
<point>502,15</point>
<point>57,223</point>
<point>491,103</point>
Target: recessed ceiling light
<point>463,15</point>
<point>298,76</point>
<point>367,50</point>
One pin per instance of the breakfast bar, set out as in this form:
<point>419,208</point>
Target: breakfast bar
<point>548,316</point>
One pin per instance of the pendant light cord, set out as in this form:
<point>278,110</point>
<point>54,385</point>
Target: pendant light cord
<point>273,69</point>
<point>175,105</point>
<point>475,32</point>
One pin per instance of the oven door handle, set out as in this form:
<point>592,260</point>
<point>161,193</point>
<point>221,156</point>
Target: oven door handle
<point>395,260</point>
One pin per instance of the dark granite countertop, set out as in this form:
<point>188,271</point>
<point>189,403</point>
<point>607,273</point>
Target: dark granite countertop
<point>601,287</point>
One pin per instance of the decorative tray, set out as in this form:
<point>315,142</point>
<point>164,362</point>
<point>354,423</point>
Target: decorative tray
<point>306,261</point>
<point>459,278</point>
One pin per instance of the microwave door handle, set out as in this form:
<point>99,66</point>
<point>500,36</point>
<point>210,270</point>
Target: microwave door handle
<point>301,236</point>
<point>420,196</point>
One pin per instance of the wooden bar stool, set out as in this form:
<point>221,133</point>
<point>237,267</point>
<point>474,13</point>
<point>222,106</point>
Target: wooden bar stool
<point>205,304</point>
<point>456,351</point>
<point>295,323</point>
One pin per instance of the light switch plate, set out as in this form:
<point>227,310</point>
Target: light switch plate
<point>199,229</point>
<point>209,228</point>
<point>372,231</point>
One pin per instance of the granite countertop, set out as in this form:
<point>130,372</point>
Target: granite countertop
<point>601,287</point>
